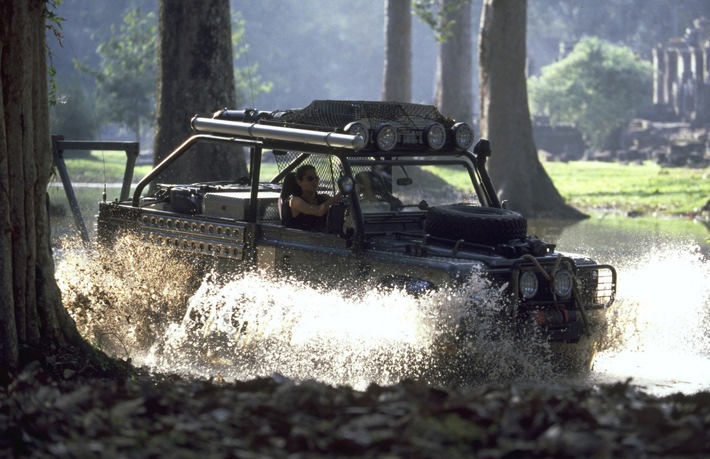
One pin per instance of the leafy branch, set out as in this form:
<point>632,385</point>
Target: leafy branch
<point>439,15</point>
<point>53,22</point>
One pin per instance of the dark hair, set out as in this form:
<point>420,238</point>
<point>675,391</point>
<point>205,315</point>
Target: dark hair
<point>301,171</point>
<point>290,186</point>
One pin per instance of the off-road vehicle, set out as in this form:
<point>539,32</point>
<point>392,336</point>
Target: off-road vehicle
<point>398,225</point>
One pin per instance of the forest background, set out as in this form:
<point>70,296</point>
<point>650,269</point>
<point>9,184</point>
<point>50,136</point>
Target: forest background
<point>290,53</point>
<point>287,54</point>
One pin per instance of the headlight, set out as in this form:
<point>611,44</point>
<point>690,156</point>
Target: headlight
<point>435,136</point>
<point>357,128</point>
<point>463,134</point>
<point>386,137</point>
<point>528,284</point>
<point>562,283</point>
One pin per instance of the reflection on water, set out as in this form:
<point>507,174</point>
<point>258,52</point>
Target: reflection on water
<point>247,326</point>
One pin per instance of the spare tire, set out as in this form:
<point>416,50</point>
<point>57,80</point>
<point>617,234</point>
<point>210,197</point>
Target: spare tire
<point>475,224</point>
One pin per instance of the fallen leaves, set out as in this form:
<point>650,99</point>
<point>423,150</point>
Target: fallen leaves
<point>162,416</point>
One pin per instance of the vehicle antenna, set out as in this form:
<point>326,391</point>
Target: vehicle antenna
<point>245,48</point>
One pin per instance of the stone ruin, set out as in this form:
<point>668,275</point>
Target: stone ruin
<point>675,131</point>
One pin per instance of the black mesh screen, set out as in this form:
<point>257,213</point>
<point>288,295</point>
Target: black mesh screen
<point>327,167</point>
<point>338,113</point>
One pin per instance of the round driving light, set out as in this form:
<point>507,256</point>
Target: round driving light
<point>463,135</point>
<point>357,128</point>
<point>528,284</point>
<point>386,137</point>
<point>435,136</point>
<point>562,283</point>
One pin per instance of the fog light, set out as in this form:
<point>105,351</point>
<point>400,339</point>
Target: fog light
<point>386,137</point>
<point>463,134</point>
<point>528,284</point>
<point>435,136</point>
<point>562,283</point>
<point>357,128</point>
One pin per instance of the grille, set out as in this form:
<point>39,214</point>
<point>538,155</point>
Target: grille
<point>597,285</point>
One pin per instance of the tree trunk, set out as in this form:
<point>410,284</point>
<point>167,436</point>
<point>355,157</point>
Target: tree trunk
<point>31,310</point>
<point>505,115</point>
<point>195,76</point>
<point>453,90</point>
<point>397,75</point>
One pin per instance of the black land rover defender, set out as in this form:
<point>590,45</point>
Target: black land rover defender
<point>398,224</point>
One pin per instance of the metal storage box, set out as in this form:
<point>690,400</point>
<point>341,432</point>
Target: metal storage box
<point>234,204</point>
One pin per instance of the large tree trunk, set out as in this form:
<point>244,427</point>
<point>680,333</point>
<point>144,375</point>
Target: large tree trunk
<point>195,76</point>
<point>397,76</point>
<point>31,310</point>
<point>453,90</point>
<point>505,115</point>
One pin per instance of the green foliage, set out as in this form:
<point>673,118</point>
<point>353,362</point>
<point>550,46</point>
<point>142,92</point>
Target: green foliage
<point>72,115</point>
<point>247,80</point>
<point>53,23</point>
<point>639,24</point>
<point>125,82</point>
<point>439,15</point>
<point>127,74</point>
<point>599,87</point>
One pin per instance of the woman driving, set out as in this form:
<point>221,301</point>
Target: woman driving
<point>306,207</point>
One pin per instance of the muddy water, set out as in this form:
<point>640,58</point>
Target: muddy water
<point>238,327</point>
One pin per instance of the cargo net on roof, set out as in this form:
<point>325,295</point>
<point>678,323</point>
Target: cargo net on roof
<point>338,113</point>
<point>328,167</point>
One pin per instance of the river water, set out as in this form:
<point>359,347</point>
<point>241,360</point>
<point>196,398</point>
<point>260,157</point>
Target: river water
<point>662,309</point>
<point>658,334</point>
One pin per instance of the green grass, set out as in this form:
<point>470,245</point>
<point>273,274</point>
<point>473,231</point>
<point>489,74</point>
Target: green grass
<point>643,187</point>
<point>587,185</point>
<point>102,167</point>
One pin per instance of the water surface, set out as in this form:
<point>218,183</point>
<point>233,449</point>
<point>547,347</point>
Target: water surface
<point>662,311</point>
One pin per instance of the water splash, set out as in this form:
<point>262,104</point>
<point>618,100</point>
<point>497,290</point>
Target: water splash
<point>156,308</point>
<point>251,325</point>
<point>658,325</point>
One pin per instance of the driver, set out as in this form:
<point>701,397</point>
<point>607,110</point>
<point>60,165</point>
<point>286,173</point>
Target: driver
<point>306,207</point>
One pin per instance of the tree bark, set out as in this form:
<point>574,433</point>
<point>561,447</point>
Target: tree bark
<point>397,74</point>
<point>195,76</point>
<point>453,90</point>
<point>505,115</point>
<point>31,310</point>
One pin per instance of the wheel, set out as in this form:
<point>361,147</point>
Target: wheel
<point>475,224</point>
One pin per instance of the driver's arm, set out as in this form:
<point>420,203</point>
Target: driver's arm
<point>300,206</point>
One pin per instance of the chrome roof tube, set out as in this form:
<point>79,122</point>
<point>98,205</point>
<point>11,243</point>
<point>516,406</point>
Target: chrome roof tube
<point>258,131</point>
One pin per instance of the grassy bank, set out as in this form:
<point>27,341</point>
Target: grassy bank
<point>645,188</point>
<point>590,185</point>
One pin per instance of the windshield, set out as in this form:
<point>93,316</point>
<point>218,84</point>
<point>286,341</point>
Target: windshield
<point>407,183</point>
<point>384,185</point>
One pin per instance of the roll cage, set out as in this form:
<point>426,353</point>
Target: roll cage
<point>294,144</point>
